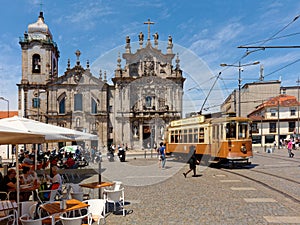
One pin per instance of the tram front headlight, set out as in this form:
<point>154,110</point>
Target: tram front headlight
<point>243,148</point>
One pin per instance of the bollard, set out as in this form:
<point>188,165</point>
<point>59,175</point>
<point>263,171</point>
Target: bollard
<point>265,148</point>
<point>145,154</point>
<point>151,152</point>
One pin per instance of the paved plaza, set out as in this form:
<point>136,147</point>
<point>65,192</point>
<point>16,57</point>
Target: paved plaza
<point>163,196</point>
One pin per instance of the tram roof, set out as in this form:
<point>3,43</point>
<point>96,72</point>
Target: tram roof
<point>203,119</point>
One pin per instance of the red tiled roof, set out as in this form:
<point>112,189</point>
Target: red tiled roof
<point>282,100</point>
<point>4,114</point>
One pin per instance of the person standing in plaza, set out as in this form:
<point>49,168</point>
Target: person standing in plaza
<point>290,148</point>
<point>162,152</point>
<point>192,162</point>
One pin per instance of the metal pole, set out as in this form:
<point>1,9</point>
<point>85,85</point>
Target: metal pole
<point>38,105</point>
<point>240,81</point>
<point>298,81</point>
<point>7,109</point>
<point>278,123</point>
<point>7,101</point>
<point>8,117</point>
<point>99,175</point>
<point>261,131</point>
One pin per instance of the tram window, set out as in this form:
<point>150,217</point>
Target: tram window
<point>201,135</point>
<point>231,130</point>
<point>190,136</point>
<point>243,130</point>
<point>176,139</point>
<point>176,136</point>
<point>184,136</point>
<point>172,140</point>
<point>221,132</point>
<point>195,135</point>
<point>195,138</point>
<point>179,137</point>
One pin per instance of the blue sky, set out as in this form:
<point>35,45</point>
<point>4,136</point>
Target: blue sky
<point>205,33</point>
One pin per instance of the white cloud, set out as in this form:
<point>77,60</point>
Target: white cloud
<point>85,15</point>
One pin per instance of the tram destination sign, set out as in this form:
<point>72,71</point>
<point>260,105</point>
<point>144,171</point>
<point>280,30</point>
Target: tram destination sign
<point>187,121</point>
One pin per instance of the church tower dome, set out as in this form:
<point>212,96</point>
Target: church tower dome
<point>39,29</point>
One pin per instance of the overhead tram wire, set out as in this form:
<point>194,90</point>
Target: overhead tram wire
<point>275,71</point>
<point>243,56</point>
<point>197,86</point>
<point>273,36</point>
<point>212,87</point>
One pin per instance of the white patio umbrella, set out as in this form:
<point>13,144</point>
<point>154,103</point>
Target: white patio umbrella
<point>10,135</point>
<point>52,133</point>
<point>47,133</point>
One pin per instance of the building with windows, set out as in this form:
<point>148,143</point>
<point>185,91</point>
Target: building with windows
<point>145,96</point>
<point>252,94</point>
<point>275,119</point>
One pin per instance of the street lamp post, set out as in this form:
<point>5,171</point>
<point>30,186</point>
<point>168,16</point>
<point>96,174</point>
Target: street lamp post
<point>39,92</point>
<point>298,81</point>
<point>4,99</point>
<point>240,67</point>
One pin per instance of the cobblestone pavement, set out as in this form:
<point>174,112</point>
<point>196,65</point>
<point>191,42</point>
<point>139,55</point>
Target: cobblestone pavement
<point>163,196</point>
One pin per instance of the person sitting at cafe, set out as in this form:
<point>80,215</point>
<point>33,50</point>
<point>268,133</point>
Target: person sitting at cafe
<point>56,178</point>
<point>70,163</point>
<point>9,183</point>
<point>28,160</point>
<point>28,179</point>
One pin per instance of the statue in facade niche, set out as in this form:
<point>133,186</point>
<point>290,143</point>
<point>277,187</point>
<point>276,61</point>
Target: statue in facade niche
<point>135,131</point>
<point>141,36</point>
<point>155,36</point>
<point>170,40</point>
<point>127,40</point>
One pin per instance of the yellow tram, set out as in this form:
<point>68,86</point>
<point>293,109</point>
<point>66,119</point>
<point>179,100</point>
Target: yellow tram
<point>216,140</point>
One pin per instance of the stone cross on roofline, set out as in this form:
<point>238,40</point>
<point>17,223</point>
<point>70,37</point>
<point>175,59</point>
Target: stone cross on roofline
<point>149,23</point>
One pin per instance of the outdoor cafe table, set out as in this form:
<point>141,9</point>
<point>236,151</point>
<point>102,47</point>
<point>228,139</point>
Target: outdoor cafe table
<point>53,208</point>
<point>96,185</point>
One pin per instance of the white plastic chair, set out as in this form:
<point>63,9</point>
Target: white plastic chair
<point>77,191</point>
<point>53,194</point>
<point>11,218</point>
<point>77,195</point>
<point>76,187</point>
<point>75,220</point>
<point>66,191</point>
<point>96,209</point>
<point>117,185</point>
<point>28,207</point>
<point>26,220</point>
<point>115,197</point>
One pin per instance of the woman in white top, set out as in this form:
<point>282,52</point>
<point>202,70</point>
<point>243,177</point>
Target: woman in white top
<point>56,177</point>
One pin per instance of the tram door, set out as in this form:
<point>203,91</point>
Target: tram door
<point>216,137</point>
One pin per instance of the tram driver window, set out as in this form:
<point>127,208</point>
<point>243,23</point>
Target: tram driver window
<point>231,130</point>
<point>243,130</point>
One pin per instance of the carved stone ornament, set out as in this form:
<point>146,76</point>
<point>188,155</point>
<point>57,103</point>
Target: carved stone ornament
<point>77,78</point>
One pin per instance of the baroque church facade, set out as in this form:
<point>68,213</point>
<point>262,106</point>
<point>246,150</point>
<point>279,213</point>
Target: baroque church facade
<point>145,94</point>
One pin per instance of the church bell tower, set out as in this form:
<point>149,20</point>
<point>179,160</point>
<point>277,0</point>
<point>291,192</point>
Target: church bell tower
<point>39,67</point>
